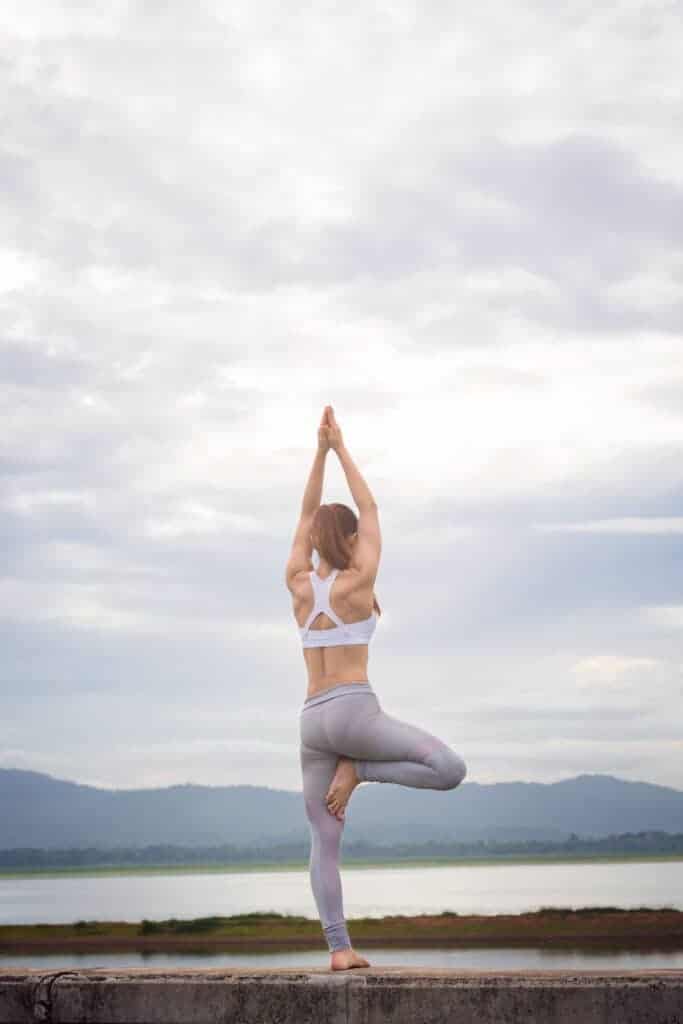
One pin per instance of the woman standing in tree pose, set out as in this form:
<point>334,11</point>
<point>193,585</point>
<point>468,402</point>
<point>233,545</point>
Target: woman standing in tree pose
<point>346,737</point>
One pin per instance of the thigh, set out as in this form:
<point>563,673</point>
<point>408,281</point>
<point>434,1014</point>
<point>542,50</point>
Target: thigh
<point>317,770</point>
<point>318,762</point>
<point>373,735</point>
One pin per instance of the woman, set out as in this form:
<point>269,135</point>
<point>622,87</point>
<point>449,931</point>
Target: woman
<point>346,737</point>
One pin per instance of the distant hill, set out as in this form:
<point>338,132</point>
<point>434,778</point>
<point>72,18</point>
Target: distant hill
<point>37,810</point>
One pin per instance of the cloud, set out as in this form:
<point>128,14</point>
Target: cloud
<point>633,524</point>
<point>463,232</point>
<point>669,616</point>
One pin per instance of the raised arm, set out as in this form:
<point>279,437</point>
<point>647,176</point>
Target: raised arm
<point>362,495</point>
<point>300,557</point>
<point>368,548</point>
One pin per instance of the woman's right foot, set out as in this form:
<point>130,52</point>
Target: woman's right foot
<point>345,959</point>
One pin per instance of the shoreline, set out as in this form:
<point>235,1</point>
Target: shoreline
<point>244,867</point>
<point>606,928</point>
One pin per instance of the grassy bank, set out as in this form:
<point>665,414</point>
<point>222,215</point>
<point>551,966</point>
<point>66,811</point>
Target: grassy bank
<point>590,927</point>
<point>350,863</point>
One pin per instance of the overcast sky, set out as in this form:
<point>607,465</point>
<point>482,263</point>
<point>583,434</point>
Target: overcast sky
<point>460,226</point>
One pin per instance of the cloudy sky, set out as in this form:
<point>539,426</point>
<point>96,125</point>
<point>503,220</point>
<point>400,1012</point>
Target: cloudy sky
<point>463,228</point>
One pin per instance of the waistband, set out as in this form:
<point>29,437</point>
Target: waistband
<point>339,690</point>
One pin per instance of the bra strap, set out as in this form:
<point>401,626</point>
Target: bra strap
<point>329,610</point>
<point>321,601</point>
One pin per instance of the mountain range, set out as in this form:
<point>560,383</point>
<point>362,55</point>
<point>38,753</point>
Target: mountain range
<point>40,811</point>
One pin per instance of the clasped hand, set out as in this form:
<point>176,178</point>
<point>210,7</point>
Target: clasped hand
<point>329,431</point>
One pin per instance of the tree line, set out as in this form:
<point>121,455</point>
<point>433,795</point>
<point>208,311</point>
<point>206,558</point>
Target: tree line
<point>168,855</point>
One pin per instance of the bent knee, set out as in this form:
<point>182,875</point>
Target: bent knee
<point>451,768</point>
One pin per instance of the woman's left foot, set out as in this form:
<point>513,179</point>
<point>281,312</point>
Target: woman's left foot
<point>345,959</point>
<point>342,786</point>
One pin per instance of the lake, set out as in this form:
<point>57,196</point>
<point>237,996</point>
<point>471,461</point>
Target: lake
<point>372,891</point>
<point>473,959</point>
<point>485,888</point>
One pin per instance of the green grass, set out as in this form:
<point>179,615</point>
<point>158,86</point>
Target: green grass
<point>641,928</point>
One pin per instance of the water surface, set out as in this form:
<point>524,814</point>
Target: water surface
<point>475,959</point>
<point>487,888</point>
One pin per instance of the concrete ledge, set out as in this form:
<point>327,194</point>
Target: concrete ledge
<point>144,995</point>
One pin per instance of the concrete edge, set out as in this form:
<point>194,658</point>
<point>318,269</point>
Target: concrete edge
<point>139,995</point>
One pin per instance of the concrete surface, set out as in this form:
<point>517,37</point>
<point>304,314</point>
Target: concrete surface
<point>146,995</point>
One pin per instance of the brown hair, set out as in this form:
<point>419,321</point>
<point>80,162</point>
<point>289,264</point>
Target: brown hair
<point>334,524</point>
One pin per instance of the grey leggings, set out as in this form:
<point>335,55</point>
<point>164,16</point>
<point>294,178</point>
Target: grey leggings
<point>347,720</point>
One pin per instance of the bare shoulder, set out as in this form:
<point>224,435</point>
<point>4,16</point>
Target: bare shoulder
<point>358,577</point>
<point>297,581</point>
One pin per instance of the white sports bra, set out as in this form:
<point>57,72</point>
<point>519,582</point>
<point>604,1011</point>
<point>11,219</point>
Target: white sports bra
<point>343,632</point>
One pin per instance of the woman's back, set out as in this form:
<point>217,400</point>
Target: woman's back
<point>332,653</point>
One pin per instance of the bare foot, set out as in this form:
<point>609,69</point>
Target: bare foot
<point>342,786</point>
<point>345,959</point>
